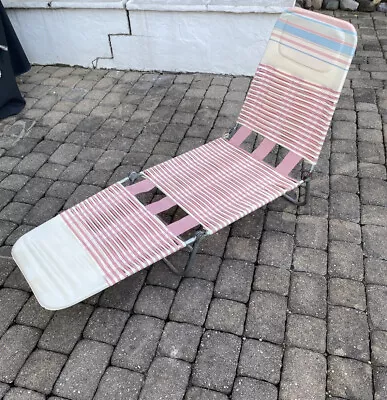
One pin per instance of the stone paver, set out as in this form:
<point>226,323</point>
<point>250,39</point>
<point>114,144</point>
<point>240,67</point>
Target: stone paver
<point>120,384</point>
<point>138,343</point>
<point>83,370</point>
<point>41,371</point>
<point>167,378</point>
<point>216,363</point>
<point>287,303</point>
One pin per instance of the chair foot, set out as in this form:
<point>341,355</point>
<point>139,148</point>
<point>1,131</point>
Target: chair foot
<point>305,195</point>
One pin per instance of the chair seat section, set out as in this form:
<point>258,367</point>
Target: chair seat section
<point>219,183</point>
<point>92,246</point>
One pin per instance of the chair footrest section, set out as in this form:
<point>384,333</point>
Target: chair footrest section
<point>92,246</point>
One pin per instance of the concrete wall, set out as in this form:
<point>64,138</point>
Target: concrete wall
<point>218,36</point>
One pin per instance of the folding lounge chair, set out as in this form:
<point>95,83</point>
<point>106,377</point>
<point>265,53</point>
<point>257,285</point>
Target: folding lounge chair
<point>112,235</point>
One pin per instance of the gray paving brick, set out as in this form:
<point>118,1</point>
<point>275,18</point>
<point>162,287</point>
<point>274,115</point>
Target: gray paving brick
<point>22,148</point>
<point>160,275</point>
<point>380,383</point>
<point>15,212</point>
<point>30,164</point>
<point>369,120</point>
<point>247,388</point>
<point>242,249</point>
<point>110,160</point>
<point>312,232</point>
<point>47,147</point>
<point>349,378</point>
<point>7,164</point>
<point>215,244</point>
<point>205,267</point>
<point>180,340</point>
<point>375,271</point>
<point>234,280</point>
<point>167,378</point>
<point>303,375</point>
<point>374,241</point>
<point>137,345</point>
<point>65,329</point>
<point>3,389</point>
<point>76,171</point>
<point>260,360</point>
<point>195,393</point>
<point>308,294</point>
<point>216,363</point>
<point>374,215</point>
<point>33,314</point>
<point>81,193</point>
<point>83,371</point>
<point>6,267</point>
<point>16,280</point>
<point>342,183</point>
<point>373,191</point>
<point>6,228</point>
<point>344,164</point>
<point>226,315</point>
<point>90,124</point>
<point>282,222</point>
<point>343,130</point>
<point>154,301</point>
<point>310,260</point>
<point>119,384</point>
<point>40,371</point>
<point>276,249</point>
<point>379,348</point>
<point>249,226</point>
<point>60,131</point>
<point>348,333</point>
<point>45,209</point>
<point>23,394</point>
<point>14,182</point>
<point>370,135</point>
<point>33,190</point>
<point>306,332</point>
<point>61,189</point>
<point>345,230</point>
<point>15,346</point>
<point>347,293</point>
<point>11,301</point>
<point>266,317</point>
<point>105,325</point>
<point>5,197</point>
<point>191,301</point>
<point>371,153</point>
<point>65,154</point>
<point>50,171</point>
<point>272,279</point>
<point>377,306</point>
<point>345,260</point>
<point>124,294</point>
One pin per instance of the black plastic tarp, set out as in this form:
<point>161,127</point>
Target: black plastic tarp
<point>13,62</point>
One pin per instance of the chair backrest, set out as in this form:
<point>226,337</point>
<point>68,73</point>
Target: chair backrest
<point>295,90</point>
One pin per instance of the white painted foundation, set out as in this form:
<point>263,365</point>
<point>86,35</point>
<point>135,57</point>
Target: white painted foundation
<point>216,36</point>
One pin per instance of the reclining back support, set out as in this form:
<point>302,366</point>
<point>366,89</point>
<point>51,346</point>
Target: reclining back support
<point>296,87</point>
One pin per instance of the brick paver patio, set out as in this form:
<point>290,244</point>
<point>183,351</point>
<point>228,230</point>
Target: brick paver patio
<point>288,303</point>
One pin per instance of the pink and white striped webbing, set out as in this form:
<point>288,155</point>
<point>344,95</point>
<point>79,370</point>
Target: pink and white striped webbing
<point>218,183</point>
<point>289,111</point>
<point>119,233</point>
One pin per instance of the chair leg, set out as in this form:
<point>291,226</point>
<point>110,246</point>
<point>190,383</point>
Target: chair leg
<point>193,251</point>
<point>306,195</point>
